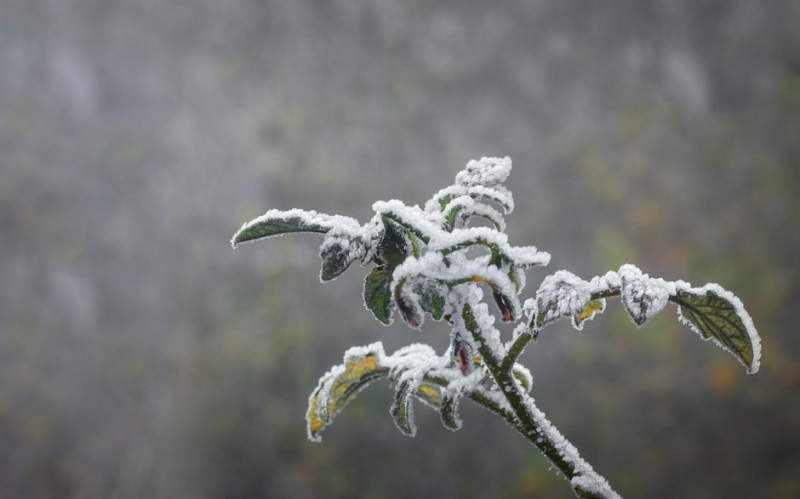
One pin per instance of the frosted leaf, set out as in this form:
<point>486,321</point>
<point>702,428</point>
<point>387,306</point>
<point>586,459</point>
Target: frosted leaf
<point>408,368</point>
<point>342,383</point>
<point>378,294</point>
<point>277,222</point>
<point>402,409</point>
<point>528,256</point>
<point>461,271</point>
<point>411,218</point>
<point>562,294</point>
<point>643,296</point>
<point>447,242</point>
<point>370,235</point>
<point>452,395</point>
<point>523,257</point>
<point>337,252</point>
<point>717,314</point>
<point>486,171</point>
<point>449,409</point>
<point>517,277</point>
<point>463,208</point>
<point>432,298</point>
<point>497,194</point>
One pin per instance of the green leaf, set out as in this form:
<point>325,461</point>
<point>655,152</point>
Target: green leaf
<point>405,226</point>
<point>378,294</point>
<point>450,218</point>
<point>720,319</point>
<point>445,200</point>
<point>514,275</point>
<point>336,257</point>
<point>402,410</point>
<point>449,410</point>
<point>395,247</point>
<point>337,388</point>
<point>432,302</point>
<point>275,223</point>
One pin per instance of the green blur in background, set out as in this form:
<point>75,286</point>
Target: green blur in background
<point>140,356</point>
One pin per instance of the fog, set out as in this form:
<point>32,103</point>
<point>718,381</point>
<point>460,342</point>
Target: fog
<point>142,356</point>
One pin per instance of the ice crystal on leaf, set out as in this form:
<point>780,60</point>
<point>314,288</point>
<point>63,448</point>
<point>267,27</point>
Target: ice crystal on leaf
<point>421,265</point>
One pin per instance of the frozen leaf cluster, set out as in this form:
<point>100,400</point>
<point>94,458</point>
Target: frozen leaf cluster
<point>439,261</point>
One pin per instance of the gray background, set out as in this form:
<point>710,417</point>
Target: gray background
<point>140,356</point>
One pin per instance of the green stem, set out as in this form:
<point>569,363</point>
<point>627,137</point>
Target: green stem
<point>531,421</point>
<point>516,350</point>
<point>606,294</point>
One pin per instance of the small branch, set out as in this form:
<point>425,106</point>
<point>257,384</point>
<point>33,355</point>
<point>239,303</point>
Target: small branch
<point>533,425</point>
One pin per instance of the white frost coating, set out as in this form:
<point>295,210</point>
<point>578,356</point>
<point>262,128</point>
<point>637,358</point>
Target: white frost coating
<point>752,333</point>
<point>643,296</point>
<point>448,240</point>
<point>520,370</point>
<point>497,193</point>
<point>529,308</point>
<point>523,256</point>
<point>411,215</point>
<point>528,256</point>
<point>326,381</point>
<point>486,171</point>
<point>432,266</point>
<point>608,282</point>
<point>468,208</point>
<point>371,234</point>
<point>308,219</point>
<point>560,295</point>
<point>593,484</point>
<point>350,243</point>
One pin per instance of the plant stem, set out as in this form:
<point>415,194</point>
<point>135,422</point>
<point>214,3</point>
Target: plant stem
<point>516,350</point>
<point>533,425</point>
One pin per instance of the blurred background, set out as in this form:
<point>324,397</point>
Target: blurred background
<point>140,356</point>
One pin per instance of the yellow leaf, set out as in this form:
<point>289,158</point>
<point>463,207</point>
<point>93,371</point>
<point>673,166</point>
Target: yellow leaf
<point>594,307</point>
<point>340,386</point>
<point>430,394</point>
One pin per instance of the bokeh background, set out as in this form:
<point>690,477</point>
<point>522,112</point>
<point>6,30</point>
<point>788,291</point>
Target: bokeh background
<point>140,356</point>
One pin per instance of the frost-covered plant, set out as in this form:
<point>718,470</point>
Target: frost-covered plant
<point>420,265</point>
